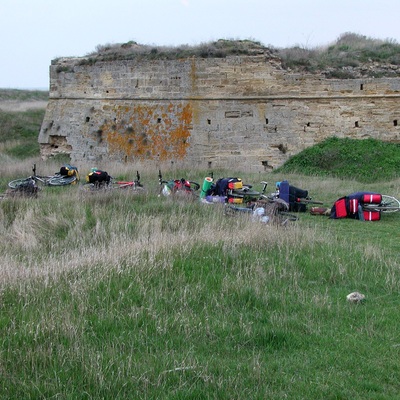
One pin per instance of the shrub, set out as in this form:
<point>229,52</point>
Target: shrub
<point>367,160</point>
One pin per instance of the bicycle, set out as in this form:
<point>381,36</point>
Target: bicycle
<point>245,195</point>
<point>259,205</point>
<point>52,180</point>
<point>266,211</point>
<point>178,187</point>
<point>134,186</point>
<point>298,199</point>
<point>230,190</point>
<point>387,204</point>
<point>27,189</point>
<point>366,206</point>
<point>294,197</point>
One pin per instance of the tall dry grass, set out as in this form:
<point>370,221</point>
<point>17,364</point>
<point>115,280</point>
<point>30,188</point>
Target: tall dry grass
<point>72,230</point>
<point>112,295</point>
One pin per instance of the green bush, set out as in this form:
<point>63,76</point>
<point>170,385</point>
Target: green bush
<point>367,160</point>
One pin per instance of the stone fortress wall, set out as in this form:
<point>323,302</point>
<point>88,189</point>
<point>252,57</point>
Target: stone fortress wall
<point>241,112</point>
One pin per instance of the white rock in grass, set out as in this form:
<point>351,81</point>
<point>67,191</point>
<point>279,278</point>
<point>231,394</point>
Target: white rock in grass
<point>355,297</point>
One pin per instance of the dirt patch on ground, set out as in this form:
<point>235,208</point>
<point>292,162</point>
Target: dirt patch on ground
<point>20,106</point>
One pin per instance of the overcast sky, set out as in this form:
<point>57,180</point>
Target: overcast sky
<point>33,32</point>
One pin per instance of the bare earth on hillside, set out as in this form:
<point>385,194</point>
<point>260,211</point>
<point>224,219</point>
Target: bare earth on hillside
<point>15,105</point>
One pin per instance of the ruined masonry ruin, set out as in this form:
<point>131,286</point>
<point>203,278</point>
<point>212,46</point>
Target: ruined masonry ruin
<point>241,112</point>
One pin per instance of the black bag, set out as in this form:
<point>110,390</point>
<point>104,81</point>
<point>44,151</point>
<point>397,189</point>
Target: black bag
<point>68,170</point>
<point>98,177</point>
<point>221,186</point>
<point>297,207</point>
<point>224,184</point>
<point>292,195</point>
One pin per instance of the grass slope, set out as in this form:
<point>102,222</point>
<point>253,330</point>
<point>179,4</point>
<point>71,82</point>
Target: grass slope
<point>23,95</point>
<point>19,130</point>
<point>366,160</point>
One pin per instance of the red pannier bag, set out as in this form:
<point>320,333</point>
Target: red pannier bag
<point>353,206</point>
<point>372,215</point>
<point>341,208</point>
<point>181,184</point>
<point>373,198</point>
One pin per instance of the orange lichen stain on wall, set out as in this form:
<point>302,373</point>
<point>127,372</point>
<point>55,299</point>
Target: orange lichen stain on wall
<point>149,132</point>
<point>180,135</point>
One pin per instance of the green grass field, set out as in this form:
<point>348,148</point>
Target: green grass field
<point>19,130</point>
<point>111,295</point>
<point>117,296</point>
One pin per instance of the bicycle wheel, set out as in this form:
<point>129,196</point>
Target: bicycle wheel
<point>194,185</point>
<point>387,205</point>
<point>286,217</point>
<point>390,203</point>
<point>133,187</point>
<point>138,190</point>
<point>16,183</point>
<point>185,194</point>
<point>245,193</point>
<point>61,180</point>
<point>231,210</point>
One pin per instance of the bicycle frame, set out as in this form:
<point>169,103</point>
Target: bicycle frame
<point>129,184</point>
<point>113,184</point>
<point>44,180</point>
<point>180,186</point>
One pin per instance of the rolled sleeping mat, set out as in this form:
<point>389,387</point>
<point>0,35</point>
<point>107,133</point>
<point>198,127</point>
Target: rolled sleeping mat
<point>206,186</point>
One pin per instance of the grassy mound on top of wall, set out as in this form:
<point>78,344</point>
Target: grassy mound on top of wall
<point>346,58</point>
<point>368,160</point>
